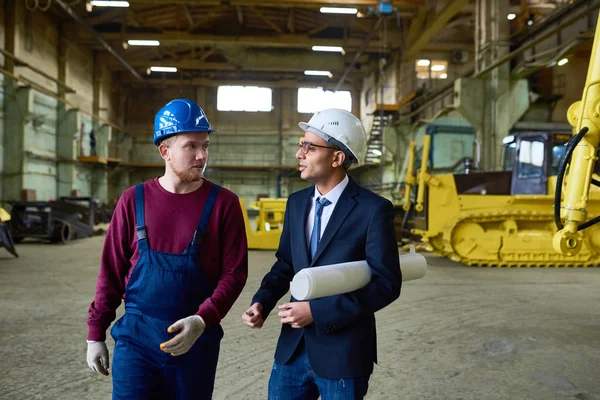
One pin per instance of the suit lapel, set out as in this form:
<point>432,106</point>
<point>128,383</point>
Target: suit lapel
<point>343,207</point>
<point>299,227</point>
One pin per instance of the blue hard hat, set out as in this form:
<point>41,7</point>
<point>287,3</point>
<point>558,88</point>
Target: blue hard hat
<point>177,116</point>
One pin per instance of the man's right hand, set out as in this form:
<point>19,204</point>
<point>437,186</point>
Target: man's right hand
<point>253,316</point>
<point>97,357</point>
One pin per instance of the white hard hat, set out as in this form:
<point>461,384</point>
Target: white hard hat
<point>341,126</point>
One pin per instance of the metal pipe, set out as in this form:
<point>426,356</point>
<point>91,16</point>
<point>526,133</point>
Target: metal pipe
<point>360,51</point>
<point>409,177</point>
<point>97,36</point>
<point>422,174</point>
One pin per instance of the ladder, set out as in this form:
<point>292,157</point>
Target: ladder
<point>375,142</point>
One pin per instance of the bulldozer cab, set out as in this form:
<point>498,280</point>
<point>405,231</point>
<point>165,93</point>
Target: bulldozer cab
<point>533,157</point>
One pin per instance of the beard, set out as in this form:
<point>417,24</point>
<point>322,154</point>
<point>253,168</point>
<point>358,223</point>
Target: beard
<point>193,174</point>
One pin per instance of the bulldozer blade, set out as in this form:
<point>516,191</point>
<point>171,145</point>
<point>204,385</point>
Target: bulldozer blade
<point>6,240</point>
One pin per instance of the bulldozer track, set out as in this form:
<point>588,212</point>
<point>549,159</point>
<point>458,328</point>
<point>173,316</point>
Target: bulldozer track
<point>540,259</point>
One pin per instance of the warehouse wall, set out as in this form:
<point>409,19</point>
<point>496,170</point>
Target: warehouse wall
<point>36,42</point>
<point>42,129</point>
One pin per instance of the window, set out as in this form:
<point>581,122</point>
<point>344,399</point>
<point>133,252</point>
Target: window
<point>509,156</point>
<point>431,69</point>
<point>311,100</point>
<point>531,158</point>
<point>558,152</point>
<point>244,98</point>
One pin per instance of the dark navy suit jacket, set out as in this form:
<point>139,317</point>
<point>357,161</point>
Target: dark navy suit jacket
<point>341,342</point>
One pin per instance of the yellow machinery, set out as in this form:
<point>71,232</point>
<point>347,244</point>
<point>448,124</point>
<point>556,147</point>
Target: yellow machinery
<point>6,239</point>
<point>578,200</point>
<point>503,218</point>
<point>269,223</point>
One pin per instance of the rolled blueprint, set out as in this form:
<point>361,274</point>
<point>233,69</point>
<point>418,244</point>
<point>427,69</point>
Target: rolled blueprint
<point>328,280</point>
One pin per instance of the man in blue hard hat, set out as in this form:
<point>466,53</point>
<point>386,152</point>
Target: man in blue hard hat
<point>176,251</point>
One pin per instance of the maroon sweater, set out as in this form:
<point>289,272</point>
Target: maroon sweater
<point>171,220</point>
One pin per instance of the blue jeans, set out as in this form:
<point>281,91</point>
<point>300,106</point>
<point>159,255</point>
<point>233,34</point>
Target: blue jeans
<point>297,381</point>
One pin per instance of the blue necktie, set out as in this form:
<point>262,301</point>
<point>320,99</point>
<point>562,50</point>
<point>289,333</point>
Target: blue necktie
<point>316,231</point>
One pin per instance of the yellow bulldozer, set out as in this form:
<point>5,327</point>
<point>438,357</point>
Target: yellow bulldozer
<point>514,217</point>
<point>503,218</point>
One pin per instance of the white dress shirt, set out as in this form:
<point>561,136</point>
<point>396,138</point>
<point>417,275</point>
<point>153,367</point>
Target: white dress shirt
<point>333,196</point>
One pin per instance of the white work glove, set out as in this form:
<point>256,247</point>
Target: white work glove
<point>97,357</point>
<point>191,328</point>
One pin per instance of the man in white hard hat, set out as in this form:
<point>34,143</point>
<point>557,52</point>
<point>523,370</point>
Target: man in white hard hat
<point>327,346</point>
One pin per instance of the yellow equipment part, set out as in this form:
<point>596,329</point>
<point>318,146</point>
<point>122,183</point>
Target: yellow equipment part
<point>4,215</point>
<point>501,230</point>
<point>6,239</point>
<point>583,114</point>
<point>269,223</point>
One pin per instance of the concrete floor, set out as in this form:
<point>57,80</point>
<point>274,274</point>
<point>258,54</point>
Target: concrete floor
<point>459,333</point>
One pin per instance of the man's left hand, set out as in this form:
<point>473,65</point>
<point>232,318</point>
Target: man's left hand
<point>191,328</point>
<point>297,314</point>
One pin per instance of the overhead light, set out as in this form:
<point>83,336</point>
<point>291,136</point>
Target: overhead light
<point>317,73</point>
<point>109,3</point>
<point>376,152</point>
<point>511,16</point>
<point>423,63</point>
<point>438,67</point>
<point>143,42</point>
<point>563,62</point>
<point>338,10</point>
<point>530,22</point>
<point>443,76</point>
<point>337,49</point>
<point>163,69</point>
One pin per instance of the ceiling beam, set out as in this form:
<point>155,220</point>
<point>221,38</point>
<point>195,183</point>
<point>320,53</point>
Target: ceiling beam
<point>265,19</point>
<point>107,16</point>
<point>416,26</point>
<point>205,55</point>
<point>188,15</point>
<point>177,38</point>
<point>318,29</point>
<point>240,15</point>
<point>287,83</point>
<point>251,61</point>
<point>438,22</point>
<point>291,23</point>
<point>205,18</point>
<point>284,3</point>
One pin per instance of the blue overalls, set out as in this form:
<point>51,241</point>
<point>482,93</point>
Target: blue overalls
<point>162,289</point>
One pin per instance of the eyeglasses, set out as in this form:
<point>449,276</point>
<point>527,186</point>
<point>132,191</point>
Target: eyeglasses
<point>308,146</point>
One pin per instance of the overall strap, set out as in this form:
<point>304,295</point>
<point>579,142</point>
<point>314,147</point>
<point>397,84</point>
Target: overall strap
<point>140,228</point>
<point>210,202</point>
